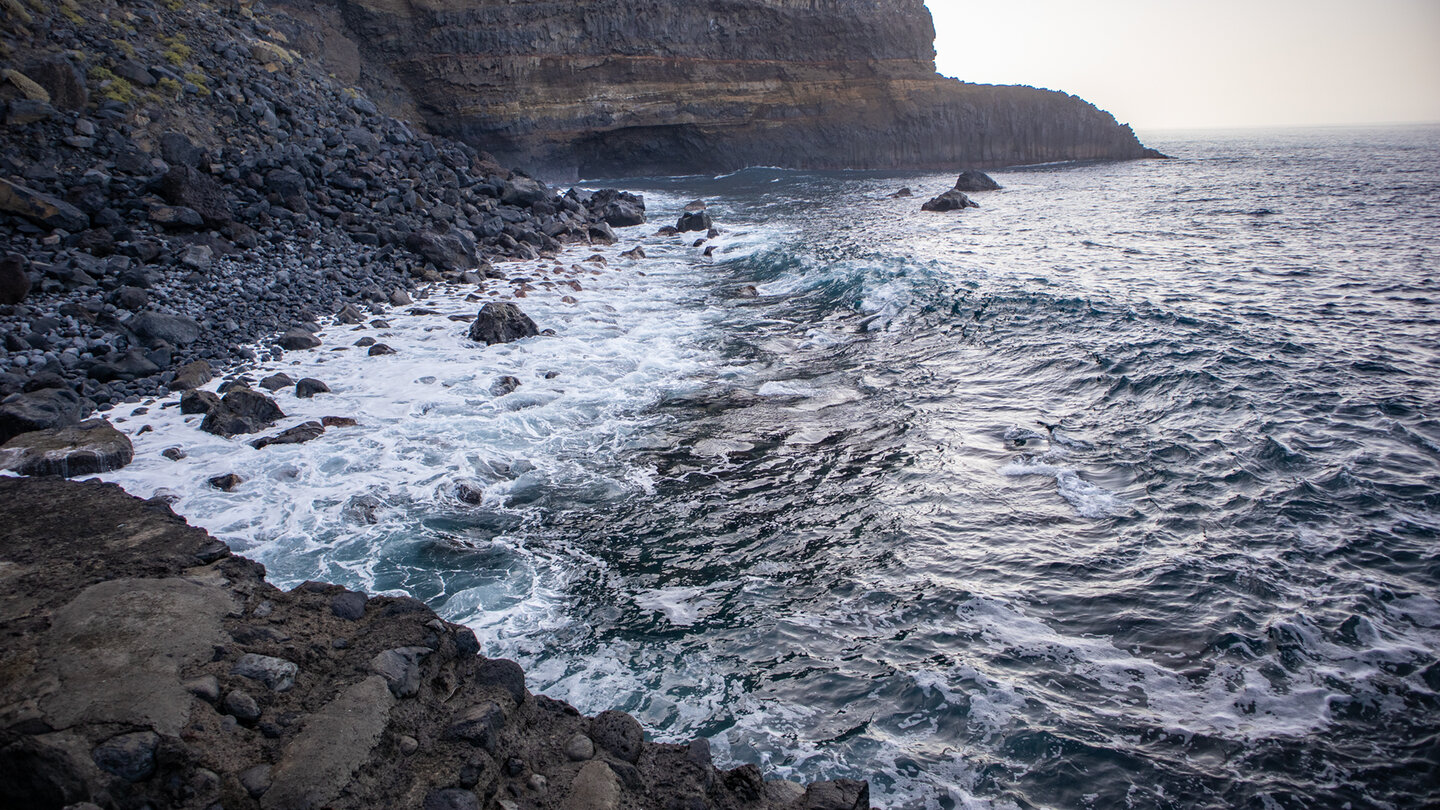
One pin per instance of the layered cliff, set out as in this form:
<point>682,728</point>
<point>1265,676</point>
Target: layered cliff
<point>604,87</point>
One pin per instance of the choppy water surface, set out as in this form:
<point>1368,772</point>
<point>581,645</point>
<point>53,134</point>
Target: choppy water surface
<point>1121,490</point>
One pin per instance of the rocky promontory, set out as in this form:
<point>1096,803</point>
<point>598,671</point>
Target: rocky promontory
<point>607,88</point>
<point>144,665</point>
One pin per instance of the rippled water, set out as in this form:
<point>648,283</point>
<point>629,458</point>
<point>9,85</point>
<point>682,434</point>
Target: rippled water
<point>1121,490</point>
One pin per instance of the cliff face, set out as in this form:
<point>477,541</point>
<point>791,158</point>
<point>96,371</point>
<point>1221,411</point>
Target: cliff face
<point>605,87</point>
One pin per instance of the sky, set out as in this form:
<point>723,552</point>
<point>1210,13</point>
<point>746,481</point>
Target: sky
<point>1183,64</point>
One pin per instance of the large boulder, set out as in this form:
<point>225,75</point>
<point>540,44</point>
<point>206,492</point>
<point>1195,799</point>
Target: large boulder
<point>617,208</point>
<point>192,375</point>
<point>191,188</point>
<point>90,447</point>
<point>242,411</point>
<point>62,80</point>
<point>154,328</point>
<point>297,338</point>
<point>695,221</point>
<point>45,409</point>
<point>501,323</point>
<point>14,280</point>
<point>447,251</point>
<point>523,191</point>
<point>41,209</point>
<point>951,200</point>
<point>972,180</point>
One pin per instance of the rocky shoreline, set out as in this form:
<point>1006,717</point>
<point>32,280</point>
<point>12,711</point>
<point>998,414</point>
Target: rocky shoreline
<point>144,665</point>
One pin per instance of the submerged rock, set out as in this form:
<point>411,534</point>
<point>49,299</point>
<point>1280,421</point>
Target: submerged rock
<point>501,323</point>
<point>91,447</point>
<point>951,200</point>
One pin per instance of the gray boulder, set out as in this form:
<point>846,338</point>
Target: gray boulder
<point>155,328</point>
<point>501,323</point>
<point>972,180</point>
<point>45,409</point>
<point>41,209</point>
<point>522,191</point>
<point>694,221</point>
<point>297,338</point>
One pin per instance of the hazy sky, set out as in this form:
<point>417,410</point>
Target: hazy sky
<point>1207,63</point>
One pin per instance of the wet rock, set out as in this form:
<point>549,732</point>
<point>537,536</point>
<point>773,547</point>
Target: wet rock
<point>503,385</point>
<point>618,733</point>
<point>338,421</point>
<point>156,328</point>
<point>637,252</point>
<point>501,323</point>
<point>297,338</point>
<point>903,192</point>
<point>174,453</point>
<point>379,350</point>
<point>305,432</point>
<point>400,298</point>
<point>694,221</point>
<point>350,314</point>
<point>276,381</point>
<point>90,447</point>
<point>128,756</point>
<point>190,376</point>
<point>309,387</point>
<point>41,209</point>
<point>46,409</point>
<point>401,669</point>
<point>276,673</point>
<point>205,402</point>
<point>14,280</point>
<point>226,482</point>
<point>951,200</point>
<point>617,208</point>
<point>841,794</point>
<point>973,180</point>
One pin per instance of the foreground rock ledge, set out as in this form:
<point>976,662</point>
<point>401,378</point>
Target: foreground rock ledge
<point>145,666</point>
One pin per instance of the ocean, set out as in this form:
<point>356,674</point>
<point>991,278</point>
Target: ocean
<point>1121,490</point>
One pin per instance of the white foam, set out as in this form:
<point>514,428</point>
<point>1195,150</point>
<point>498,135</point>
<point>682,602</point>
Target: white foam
<point>1089,500</point>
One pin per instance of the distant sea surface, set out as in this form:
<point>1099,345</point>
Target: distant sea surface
<point>1121,490</point>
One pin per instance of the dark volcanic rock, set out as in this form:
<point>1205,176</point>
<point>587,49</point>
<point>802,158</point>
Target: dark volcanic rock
<point>14,281</point>
<point>242,411</point>
<point>90,447</point>
<point>155,328</point>
<point>189,187</point>
<point>617,208</point>
<point>41,209</point>
<point>309,387</point>
<point>45,409</point>
<point>447,251</point>
<point>226,482</point>
<point>308,431</point>
<point>501,323</point>
<point>297,338</point>
<point>62,80</point>
<point>951,200</point>
<point>974,180</point>
<point>694,221</point>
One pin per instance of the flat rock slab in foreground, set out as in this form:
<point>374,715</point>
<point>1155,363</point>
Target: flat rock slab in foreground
<point>143,665</point>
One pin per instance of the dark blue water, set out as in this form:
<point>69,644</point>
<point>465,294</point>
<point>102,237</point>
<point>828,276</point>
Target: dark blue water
<point>1122,490</point>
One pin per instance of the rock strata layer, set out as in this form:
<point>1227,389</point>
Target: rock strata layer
<point>146,666</point>
<point>615,87</point>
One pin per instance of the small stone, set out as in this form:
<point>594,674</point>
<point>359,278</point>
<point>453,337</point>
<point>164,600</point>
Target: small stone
<point>128,756</point>
<point>579,748</point>
<point>408,745</point>
<point>242,706</point>
<point>206,687</point>
<point>538,783</point>
<point>174,453</point>
<point>276,673</point>
<point>255,780</point>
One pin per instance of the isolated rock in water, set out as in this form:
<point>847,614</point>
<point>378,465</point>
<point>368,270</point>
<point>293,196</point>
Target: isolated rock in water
<point>503,385</point>
<point>297,338</point>
<point>308,431</point>
<point>501,323</point>
<point>903,192</point>
<point>154,328</point>
<point>277,381</point>
<point>694,221</point>
<point>951,200</point>
<point>617,208</point>
<point>242,411</point>
<point>45,409</point>
<point>225,482</point>
<point>88,448</point>
<point>972,180</point>
<point>41,209</point>
<point>309,387</point>
<point>637,252</point>
<point>379,350</point>
<point>14,280</point>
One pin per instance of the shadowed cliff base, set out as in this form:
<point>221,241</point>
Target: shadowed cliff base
<point>605,88</point>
